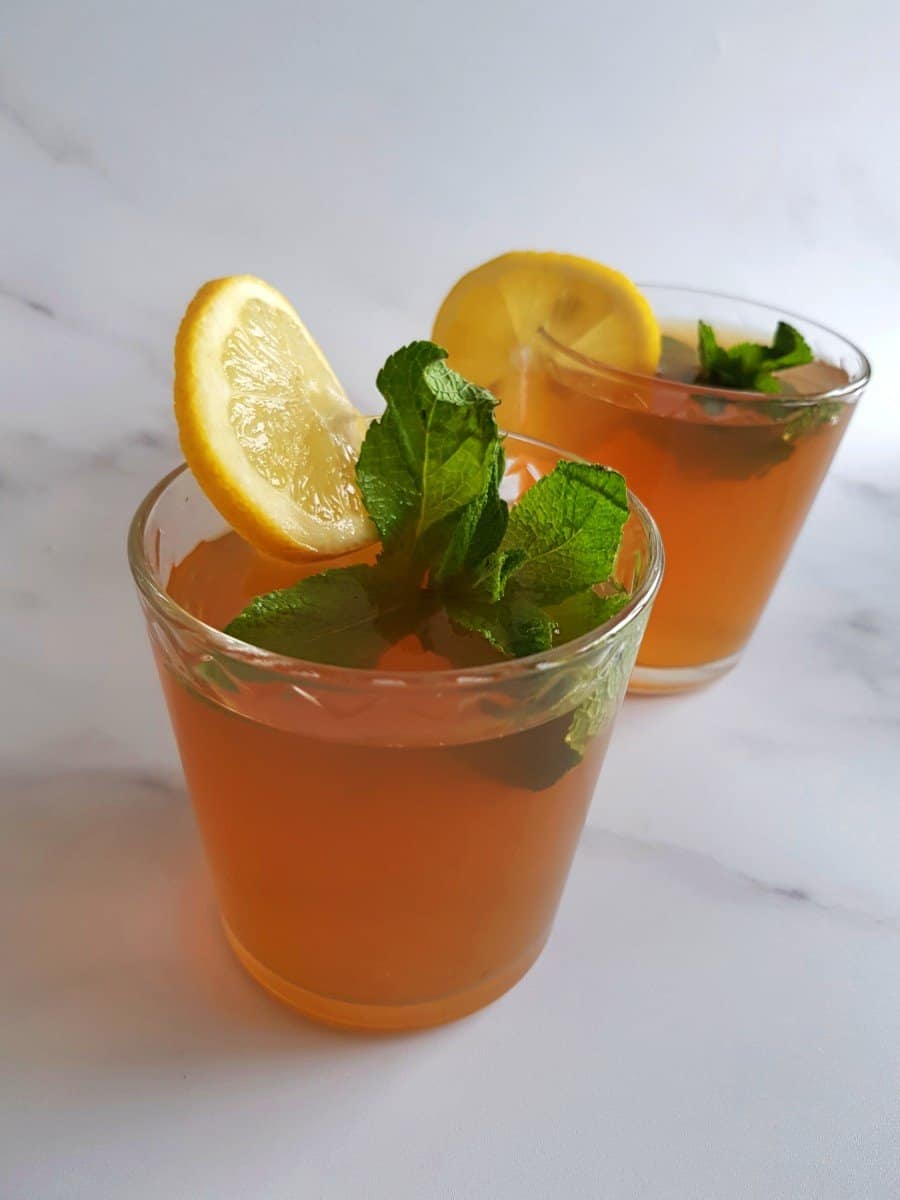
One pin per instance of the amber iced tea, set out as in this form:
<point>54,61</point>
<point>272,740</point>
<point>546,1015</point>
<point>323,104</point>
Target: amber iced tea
<point>728,476</point>
<point>388,846</point>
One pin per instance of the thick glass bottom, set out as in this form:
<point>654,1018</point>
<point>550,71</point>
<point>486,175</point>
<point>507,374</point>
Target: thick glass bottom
<point>659,681</point>
<point>383,1018</point>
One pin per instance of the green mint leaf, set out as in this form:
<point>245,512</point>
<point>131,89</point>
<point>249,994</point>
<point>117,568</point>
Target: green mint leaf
<point>430,471</point>
<point>810,418</point>
<point>515,625</point>
<point>708,350</point>
<point>583,612</point>
<point>598,709</point>
<point>589,718</point>
<point>432,453</point>
<point>749,366</point>
<point>533,759</point>
<point>537,758</point>
<point>479,527</point>
<point>487,581</point>
<point>569,524</point>
<point>789,348</point>
<point>764,382</point>
<point>346,616</point>
<point>752,367</point>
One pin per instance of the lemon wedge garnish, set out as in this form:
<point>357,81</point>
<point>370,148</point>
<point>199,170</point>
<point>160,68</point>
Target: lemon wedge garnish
<point>265,425</point>
<point>495,311</point>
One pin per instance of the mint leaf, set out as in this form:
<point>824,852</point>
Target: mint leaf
<point>515,625</point>
<point>347,616</point>
<point>583,612</point>
<point>588,719</point>
<point>810,418</point>
<point>597,710</point>
<point>709,351</point>
<point>430,471</point>
<point>569,526</point>
<point>537,758</point>
<point>487,581</point>
<point>518,625</point>
<point>479,527</point>
<point>432,453</point>
<point>789,348</point>
<point>749,366</point>
<point>532,759</point>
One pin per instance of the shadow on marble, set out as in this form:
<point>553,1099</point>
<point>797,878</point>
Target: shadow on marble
<point>114,957</point>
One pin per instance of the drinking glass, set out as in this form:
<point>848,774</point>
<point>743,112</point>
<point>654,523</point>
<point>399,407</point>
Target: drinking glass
<point>388,847</point>
<point>728,475</point>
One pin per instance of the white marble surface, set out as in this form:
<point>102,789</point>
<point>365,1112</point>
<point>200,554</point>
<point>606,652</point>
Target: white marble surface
<point>718,1012</point>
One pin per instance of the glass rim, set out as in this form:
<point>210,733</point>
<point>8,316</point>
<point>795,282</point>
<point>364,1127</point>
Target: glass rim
<point>845,392</point>
<point>545,661</point>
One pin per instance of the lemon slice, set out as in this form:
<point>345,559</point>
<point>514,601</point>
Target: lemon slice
<point>494,312</point>
<point>265,425</point>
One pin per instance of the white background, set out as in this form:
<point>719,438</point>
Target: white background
<point>362,156</point>
<point>718,1013</point>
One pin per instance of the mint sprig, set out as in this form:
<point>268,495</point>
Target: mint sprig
<point>347,616</point>
<point>429,467</point>
<point>750,366</point>
<point>429,472</point>
<point>569,526</point>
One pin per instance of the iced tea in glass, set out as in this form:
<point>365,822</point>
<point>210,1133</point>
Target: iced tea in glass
<point>389,845</point>
<point>728,475</point>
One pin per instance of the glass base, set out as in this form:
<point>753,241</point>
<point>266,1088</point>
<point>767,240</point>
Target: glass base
<point>382,1017</point>
<point>659,681</point>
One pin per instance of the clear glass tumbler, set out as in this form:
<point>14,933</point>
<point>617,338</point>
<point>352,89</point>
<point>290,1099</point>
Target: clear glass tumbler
<point>728,475</point>
<point>389,847</point>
